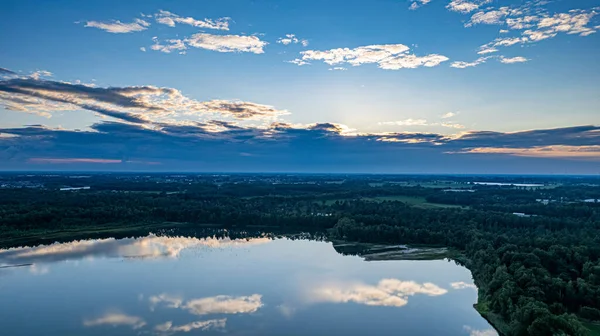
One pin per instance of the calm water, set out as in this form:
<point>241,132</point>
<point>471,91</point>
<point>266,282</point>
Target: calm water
<point>207,286</point>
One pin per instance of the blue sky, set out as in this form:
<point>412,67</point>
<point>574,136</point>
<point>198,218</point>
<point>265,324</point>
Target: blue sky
<point>396,76</point>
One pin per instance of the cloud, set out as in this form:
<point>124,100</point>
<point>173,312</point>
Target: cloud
<point>338,69</point>
<point>535,24</point>
<point>463,65</point>
<point>388,292</point>
<point>143,49</point>
<point>387,56</point>
<point>136,104</point>
<point>4,72</point>
<point>492,17</point>
<point>170,19</point>
<point>462,285</point>
<point>227,43</point>
<point>449,115</point>
<point>574,22</point>
<point>243,110</point>
<point>41,73</point>
<point>168,328</point>
<point>487,51</point>
<point>465,6</point>
<point>116,319</point>
<point>581,152</point>
<point>511,60</point>
<point>118,27</point>
<point>220,304</point>
<point>292,39</point>
<point>416,4</point>
<point>218,145</point>
<point>171,45</point>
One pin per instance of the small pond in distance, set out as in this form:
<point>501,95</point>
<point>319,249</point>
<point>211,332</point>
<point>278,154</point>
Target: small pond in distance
<point>160,285</point>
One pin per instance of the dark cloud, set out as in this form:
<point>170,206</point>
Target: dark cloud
<point>223,146</point>
<point>4,71</point>
<point>137,104</point>
<point>568,136</point>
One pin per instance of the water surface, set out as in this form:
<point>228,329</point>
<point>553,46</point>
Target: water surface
<point>208,286</point>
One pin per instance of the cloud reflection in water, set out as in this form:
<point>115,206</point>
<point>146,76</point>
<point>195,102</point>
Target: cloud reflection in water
<point>151,246</point>
<point>388,292</point>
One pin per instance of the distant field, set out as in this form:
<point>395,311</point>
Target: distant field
<point>434,184</point>
<point>594,329</point>
<point>416,201</point>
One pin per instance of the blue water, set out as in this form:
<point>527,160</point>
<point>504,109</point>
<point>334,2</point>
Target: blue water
<point>208,286</point>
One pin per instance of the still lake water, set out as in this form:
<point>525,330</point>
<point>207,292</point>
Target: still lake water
<point>207,286</point>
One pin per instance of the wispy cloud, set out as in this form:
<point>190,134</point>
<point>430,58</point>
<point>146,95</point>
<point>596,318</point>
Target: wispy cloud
<point>466,6</point>
<point>116,319</point>
<point>386,56</point>
<point>463,65</point>
<point>169,45</point>
<point>511,60</point>
<point>227,43</point>
<point>118,27</point>
<point>168,328</point>
<point>416,4</point>
<point>292,39</point>
<point>170,19</point>
<point>449,115</point>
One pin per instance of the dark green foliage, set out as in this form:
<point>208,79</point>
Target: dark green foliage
<point>535,273</point>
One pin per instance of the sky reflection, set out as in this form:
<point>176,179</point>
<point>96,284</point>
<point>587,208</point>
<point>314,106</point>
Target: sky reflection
<point>216,286</point>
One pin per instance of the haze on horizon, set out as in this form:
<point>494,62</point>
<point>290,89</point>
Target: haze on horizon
<point>390,86</point>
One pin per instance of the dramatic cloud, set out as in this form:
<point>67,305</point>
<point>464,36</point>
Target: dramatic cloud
<point>118,27</point>
<point>227,43</point>
<point>388,292</point>
<point>116,319</point>
<point>137,104</point>
<point>153,131</point>
<point>387,56</point>
<point>292,39</point>
<point>170,19</point>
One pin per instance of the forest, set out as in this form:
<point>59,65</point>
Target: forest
<point>534,251</point>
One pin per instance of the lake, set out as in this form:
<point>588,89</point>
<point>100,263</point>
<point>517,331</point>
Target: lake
<point>159,285</point>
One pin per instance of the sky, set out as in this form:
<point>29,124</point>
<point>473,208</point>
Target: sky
<point>382,86</point>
